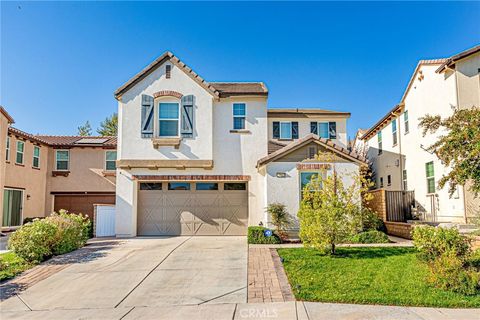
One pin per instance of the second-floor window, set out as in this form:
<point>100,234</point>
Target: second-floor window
<point>394,131</point>
<point>239,114</point>
<point>405,122</point>
<point>20,151</point>
<point>36,157</point>
<point>379,139</point>
<point>62,159</point>
<point>285,130</point>
<point>168,116</point>
<point>326,130</point>
<point>110,158</point>
<point>7,157</point>
<point>430,174</point>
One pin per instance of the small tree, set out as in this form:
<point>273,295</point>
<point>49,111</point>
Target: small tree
<point>330,212</point>
<point>458,148</point>
<point>280,217</point>
<point>85,130</point>
<point>109,127</point>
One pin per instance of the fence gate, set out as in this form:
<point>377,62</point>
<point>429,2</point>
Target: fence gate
<point>399,205</point>
<point>105,221</point>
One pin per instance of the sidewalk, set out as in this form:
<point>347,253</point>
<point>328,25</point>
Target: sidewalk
<point>276,311</point>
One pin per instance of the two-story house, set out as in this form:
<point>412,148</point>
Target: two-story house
<point>206,158</point>
<point>42,174</point>
<point>397,147</point>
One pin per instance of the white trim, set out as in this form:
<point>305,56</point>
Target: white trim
<point>244,116</point>
<point>33,157</point>
<point>56,161</point>
<point>158,119</point>
<point>17,152</point>
<point>21,208</point>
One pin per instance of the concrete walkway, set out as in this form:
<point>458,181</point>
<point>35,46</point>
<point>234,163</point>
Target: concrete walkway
<point>275,310</point>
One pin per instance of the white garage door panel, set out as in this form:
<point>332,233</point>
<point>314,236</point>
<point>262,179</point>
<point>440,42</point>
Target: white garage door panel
<point>179,212</point>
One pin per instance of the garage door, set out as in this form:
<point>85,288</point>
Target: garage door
<point>81,203</point>
<point>192,208</point>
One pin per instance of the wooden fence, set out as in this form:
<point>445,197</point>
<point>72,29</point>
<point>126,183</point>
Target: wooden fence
<point>394,206</point>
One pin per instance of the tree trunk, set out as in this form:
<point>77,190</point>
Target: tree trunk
<point>333,248</point>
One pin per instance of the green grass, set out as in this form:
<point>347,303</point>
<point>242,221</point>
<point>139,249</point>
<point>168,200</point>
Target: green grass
<point>11,265</point>
<point>373,275</point>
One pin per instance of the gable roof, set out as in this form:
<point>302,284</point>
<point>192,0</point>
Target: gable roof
<point>6,115</point>
<point>306,140</point>
<point>450,62</point>
<point>216,89</point>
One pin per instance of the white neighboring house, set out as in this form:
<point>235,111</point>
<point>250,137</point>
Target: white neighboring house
<point>396,146</point>
<point>200,158</point>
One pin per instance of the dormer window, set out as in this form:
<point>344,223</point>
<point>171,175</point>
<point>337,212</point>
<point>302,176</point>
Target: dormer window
<point>168,116</point>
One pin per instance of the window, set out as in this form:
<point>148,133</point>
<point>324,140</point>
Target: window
<point>168,114</point>
<point>286,130</point>
<point>110,158</point>
<point>381,182</point>
<point>12,207</point>
<point>207,186</point>
<point>379,139</point>
<point>235,186</point>
<point>323,130</point>
<point>312,152</point>
<point>389,180</point>
<point>239,112</point>
<point>394,131</point>
<point>179,186</point>
<point>62,158</point>
<point>430,173</point>
<point>8,149</point>
<point>20,150</point>
<point>405,122</point>
<point>36,157</point>
<point>168,71</point>
<point>404,176</point>
<point>148,186</point>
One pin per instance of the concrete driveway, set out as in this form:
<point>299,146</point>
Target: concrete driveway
<point>144,272</point>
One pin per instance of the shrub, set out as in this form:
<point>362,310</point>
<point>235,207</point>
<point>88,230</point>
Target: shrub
<point>433,242</point>
<point>31,219</point>
<point>280,217</point>
<point>372,236</point>
<point>448,272</point>
<point>57,234</point>
<point>370,221</point>
<point>34,241</point>
<point>256,235</point>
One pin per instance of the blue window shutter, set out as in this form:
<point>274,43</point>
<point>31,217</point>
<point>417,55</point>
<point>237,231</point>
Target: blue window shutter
<point>295,130</point>
<point>147,116</point>
<point>332,130</point>
<point>313,127</point>
<point>188,103</point>
<point>276,130</point>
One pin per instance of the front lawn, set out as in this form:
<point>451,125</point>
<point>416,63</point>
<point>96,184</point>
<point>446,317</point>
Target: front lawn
<point>369,275</point>
<point>11,265</point>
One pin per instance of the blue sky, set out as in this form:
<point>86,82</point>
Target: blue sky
<point>62,61</point>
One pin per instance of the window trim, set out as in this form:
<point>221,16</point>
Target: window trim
<point>56,160</point>
<point>38,157</point>
<point>290,131</point>
<point>380,142</point>
<point>406,122</point>
<point>244,116</point>
<point>432,177</point>
<point>106,160</point>
<point>178,103</point>
<point>7,148</point>
<point>18,152</point>
<point>394,133</point>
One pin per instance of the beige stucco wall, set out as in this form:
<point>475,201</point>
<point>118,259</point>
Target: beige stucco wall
<point>32,180</point>
<point>87,168</point>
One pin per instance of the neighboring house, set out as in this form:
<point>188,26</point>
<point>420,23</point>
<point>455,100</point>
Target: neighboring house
<point>396,146</point>
<point>41,174</point>
<point>193,156</point>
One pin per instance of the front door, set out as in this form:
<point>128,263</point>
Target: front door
<point>12,207</point>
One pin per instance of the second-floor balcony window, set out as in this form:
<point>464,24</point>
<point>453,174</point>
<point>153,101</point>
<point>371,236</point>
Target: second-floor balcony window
<point>62,158</point>
<point>239,113</point>
<point>168,114</point>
